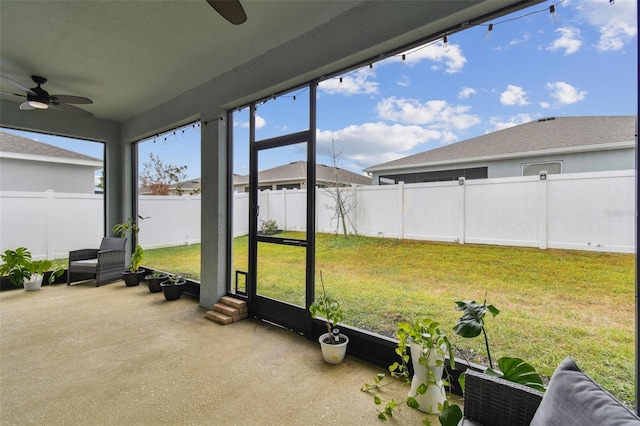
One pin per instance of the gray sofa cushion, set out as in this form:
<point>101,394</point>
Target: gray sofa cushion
<point>574,399</point>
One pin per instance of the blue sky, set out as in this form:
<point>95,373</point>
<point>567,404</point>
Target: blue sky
<point>581,62</point>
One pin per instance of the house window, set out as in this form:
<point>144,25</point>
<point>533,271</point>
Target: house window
<point>289,186</point>
<point>534,169</point>
<point>436,176</point>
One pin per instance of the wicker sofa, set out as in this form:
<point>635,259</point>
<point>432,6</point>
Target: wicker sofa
<point>572,399</point>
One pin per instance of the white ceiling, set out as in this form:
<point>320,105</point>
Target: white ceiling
<point>131,56</point>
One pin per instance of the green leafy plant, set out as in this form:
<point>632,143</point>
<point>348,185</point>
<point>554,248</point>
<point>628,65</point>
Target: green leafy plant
<point>132,226</point>
<point>268,227</point>
<point>157,274</point>
<point>174,279</point>
<point>328,308</point>
<point>427,333</point>
<point>18,266</point>
<point>472,324</point>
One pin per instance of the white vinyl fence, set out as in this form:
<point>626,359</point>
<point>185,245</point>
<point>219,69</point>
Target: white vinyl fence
<point>585,211</point>
<point>582,211</point>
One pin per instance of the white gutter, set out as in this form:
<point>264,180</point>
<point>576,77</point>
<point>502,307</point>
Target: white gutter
<point>30,157</point>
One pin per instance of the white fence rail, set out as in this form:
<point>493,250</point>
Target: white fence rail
<point>586,211</point>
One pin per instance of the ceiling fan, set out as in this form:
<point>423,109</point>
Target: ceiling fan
<point>38,98</point>
<point>231,10</point>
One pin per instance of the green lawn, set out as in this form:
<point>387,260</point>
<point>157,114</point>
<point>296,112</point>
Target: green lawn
<point>553,303</point>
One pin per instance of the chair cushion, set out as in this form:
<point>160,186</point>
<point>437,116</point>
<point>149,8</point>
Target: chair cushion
<point>574,399</point>
<point>87,265</point>
<point>86,262</point>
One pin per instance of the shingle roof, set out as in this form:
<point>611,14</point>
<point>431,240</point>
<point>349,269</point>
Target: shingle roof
<point>539,135</point>
<point>298,171</point>
<point>20,145</point>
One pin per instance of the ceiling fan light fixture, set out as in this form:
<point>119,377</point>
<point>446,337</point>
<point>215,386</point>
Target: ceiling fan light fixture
<point>38,104</point>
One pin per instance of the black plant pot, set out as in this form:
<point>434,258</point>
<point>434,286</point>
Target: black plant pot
<point>171,290</point>
<point>132,279</point>
<point>154,283</point>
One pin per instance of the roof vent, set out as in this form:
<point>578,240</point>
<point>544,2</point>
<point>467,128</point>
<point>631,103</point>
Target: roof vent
<point>546,119</point>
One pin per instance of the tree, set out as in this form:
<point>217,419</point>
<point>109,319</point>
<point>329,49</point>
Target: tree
<point>342,194</point>
<point>101,180</point>
<point>158,176</point>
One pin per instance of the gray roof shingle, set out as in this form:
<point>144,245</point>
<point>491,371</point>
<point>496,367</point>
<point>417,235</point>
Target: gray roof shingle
<point>298,171</point>
<point>539,135</point>
<point>20,145</point>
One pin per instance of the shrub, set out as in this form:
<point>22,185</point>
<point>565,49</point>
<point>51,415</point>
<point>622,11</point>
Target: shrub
<point>268,227</point>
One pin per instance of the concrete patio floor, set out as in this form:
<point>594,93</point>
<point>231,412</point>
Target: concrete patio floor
<point>117,355</point>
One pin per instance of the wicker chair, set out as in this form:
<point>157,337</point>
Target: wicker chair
<point>490,401</point>
<point>106,264</point>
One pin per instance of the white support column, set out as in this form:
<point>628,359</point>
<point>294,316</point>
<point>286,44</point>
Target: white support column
<point>213,268</point>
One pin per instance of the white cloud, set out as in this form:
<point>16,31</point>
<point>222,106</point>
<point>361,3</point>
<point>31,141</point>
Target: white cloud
<point>616,22</point>
<point>437,113</point>
<point>525,37</point>
<point>452,57</point>
<point>260,123</point>
<point>465,92</point>
<point>544,104</point>
<point>499,123</point>
<point>569,40</point>
<point>514,95</point>
<point>370,144</point>
<point>357,83</point>
<point>565,93</point>
<point>403,81</point>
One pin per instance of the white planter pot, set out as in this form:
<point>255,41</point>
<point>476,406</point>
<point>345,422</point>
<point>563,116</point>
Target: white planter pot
<point>435,393</point>
<point>34,283</point>
<point>333,354</point>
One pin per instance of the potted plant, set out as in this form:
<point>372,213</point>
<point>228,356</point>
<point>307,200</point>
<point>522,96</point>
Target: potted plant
<point>22,270</point>
<point>426,345</point>
<point>135,274</point>
<point>333,343</point>
<point>154,279</point>
<point>172,287</point>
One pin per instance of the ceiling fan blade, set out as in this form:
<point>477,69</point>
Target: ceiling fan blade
<point>71,108</point>
<point>231,10</point>
<point>17,85</point>
<point>14,94</point>
<point>26,107</point>
<point>69,99</point>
